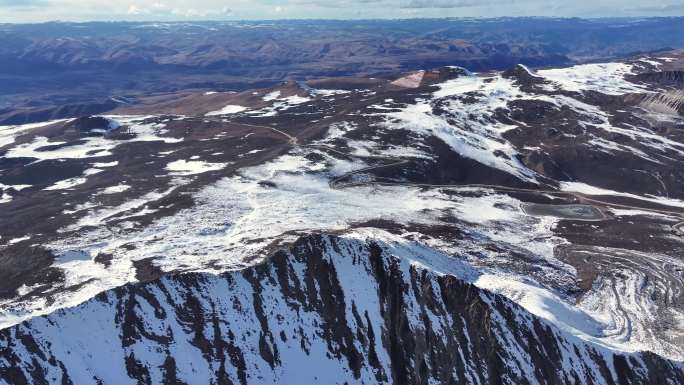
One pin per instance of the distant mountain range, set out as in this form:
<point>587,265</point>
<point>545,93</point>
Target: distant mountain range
<point>80,66</point>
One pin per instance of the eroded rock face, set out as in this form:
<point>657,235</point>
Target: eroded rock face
<point>331,309</point>
<point>663,78</point>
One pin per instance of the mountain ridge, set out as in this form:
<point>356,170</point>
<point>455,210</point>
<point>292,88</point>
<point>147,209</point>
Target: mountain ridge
<point>44,66</point>
<point>419,308</point>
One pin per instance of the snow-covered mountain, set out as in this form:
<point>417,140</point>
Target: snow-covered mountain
<point>440,227</point>
<point>363,307</point>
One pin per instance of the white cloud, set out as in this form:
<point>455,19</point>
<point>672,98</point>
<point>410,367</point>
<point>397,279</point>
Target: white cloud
<point>134,10</point>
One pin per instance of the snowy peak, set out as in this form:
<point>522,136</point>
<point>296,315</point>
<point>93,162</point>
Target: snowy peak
<point>364,311</point>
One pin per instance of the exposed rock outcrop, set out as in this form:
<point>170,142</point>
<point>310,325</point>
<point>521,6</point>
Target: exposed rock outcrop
<point>329,310</point>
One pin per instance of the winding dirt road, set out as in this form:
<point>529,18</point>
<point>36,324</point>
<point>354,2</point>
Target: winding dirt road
<point>337,182</point>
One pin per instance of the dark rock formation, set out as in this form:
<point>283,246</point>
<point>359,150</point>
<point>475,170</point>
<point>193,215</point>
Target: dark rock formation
<point>329,310</point>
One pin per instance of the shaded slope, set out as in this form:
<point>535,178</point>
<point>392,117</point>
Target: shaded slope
<point>332,309</point>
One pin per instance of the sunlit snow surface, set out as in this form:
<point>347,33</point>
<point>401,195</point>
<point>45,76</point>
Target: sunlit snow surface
<point>91,147</point>
<point>592,190</point>
<point>192,167</point>
<point>470,129</point>
<point>227,110</point>
<point>278,104</point>
<point>9,133</point>
<point>237,217</point>
<point>607,78</point>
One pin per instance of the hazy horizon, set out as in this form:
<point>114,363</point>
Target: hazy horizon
<point>323,19</point>
<point>33,11</point>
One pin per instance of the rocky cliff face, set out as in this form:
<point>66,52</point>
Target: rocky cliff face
<point>328,309</point>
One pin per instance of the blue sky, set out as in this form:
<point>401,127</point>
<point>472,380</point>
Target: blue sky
<point>166,10</point>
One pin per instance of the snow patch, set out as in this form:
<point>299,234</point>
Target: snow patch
<point>470,129</point>
<point>271,96</point>
<point>41,148</point>
<point>592,190</point>
<point>115,189</point>
<point>607,78</point>
<point>227,110</point>
<point>9,133</point>
<point>192,167</point>
<point>66,184</point>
